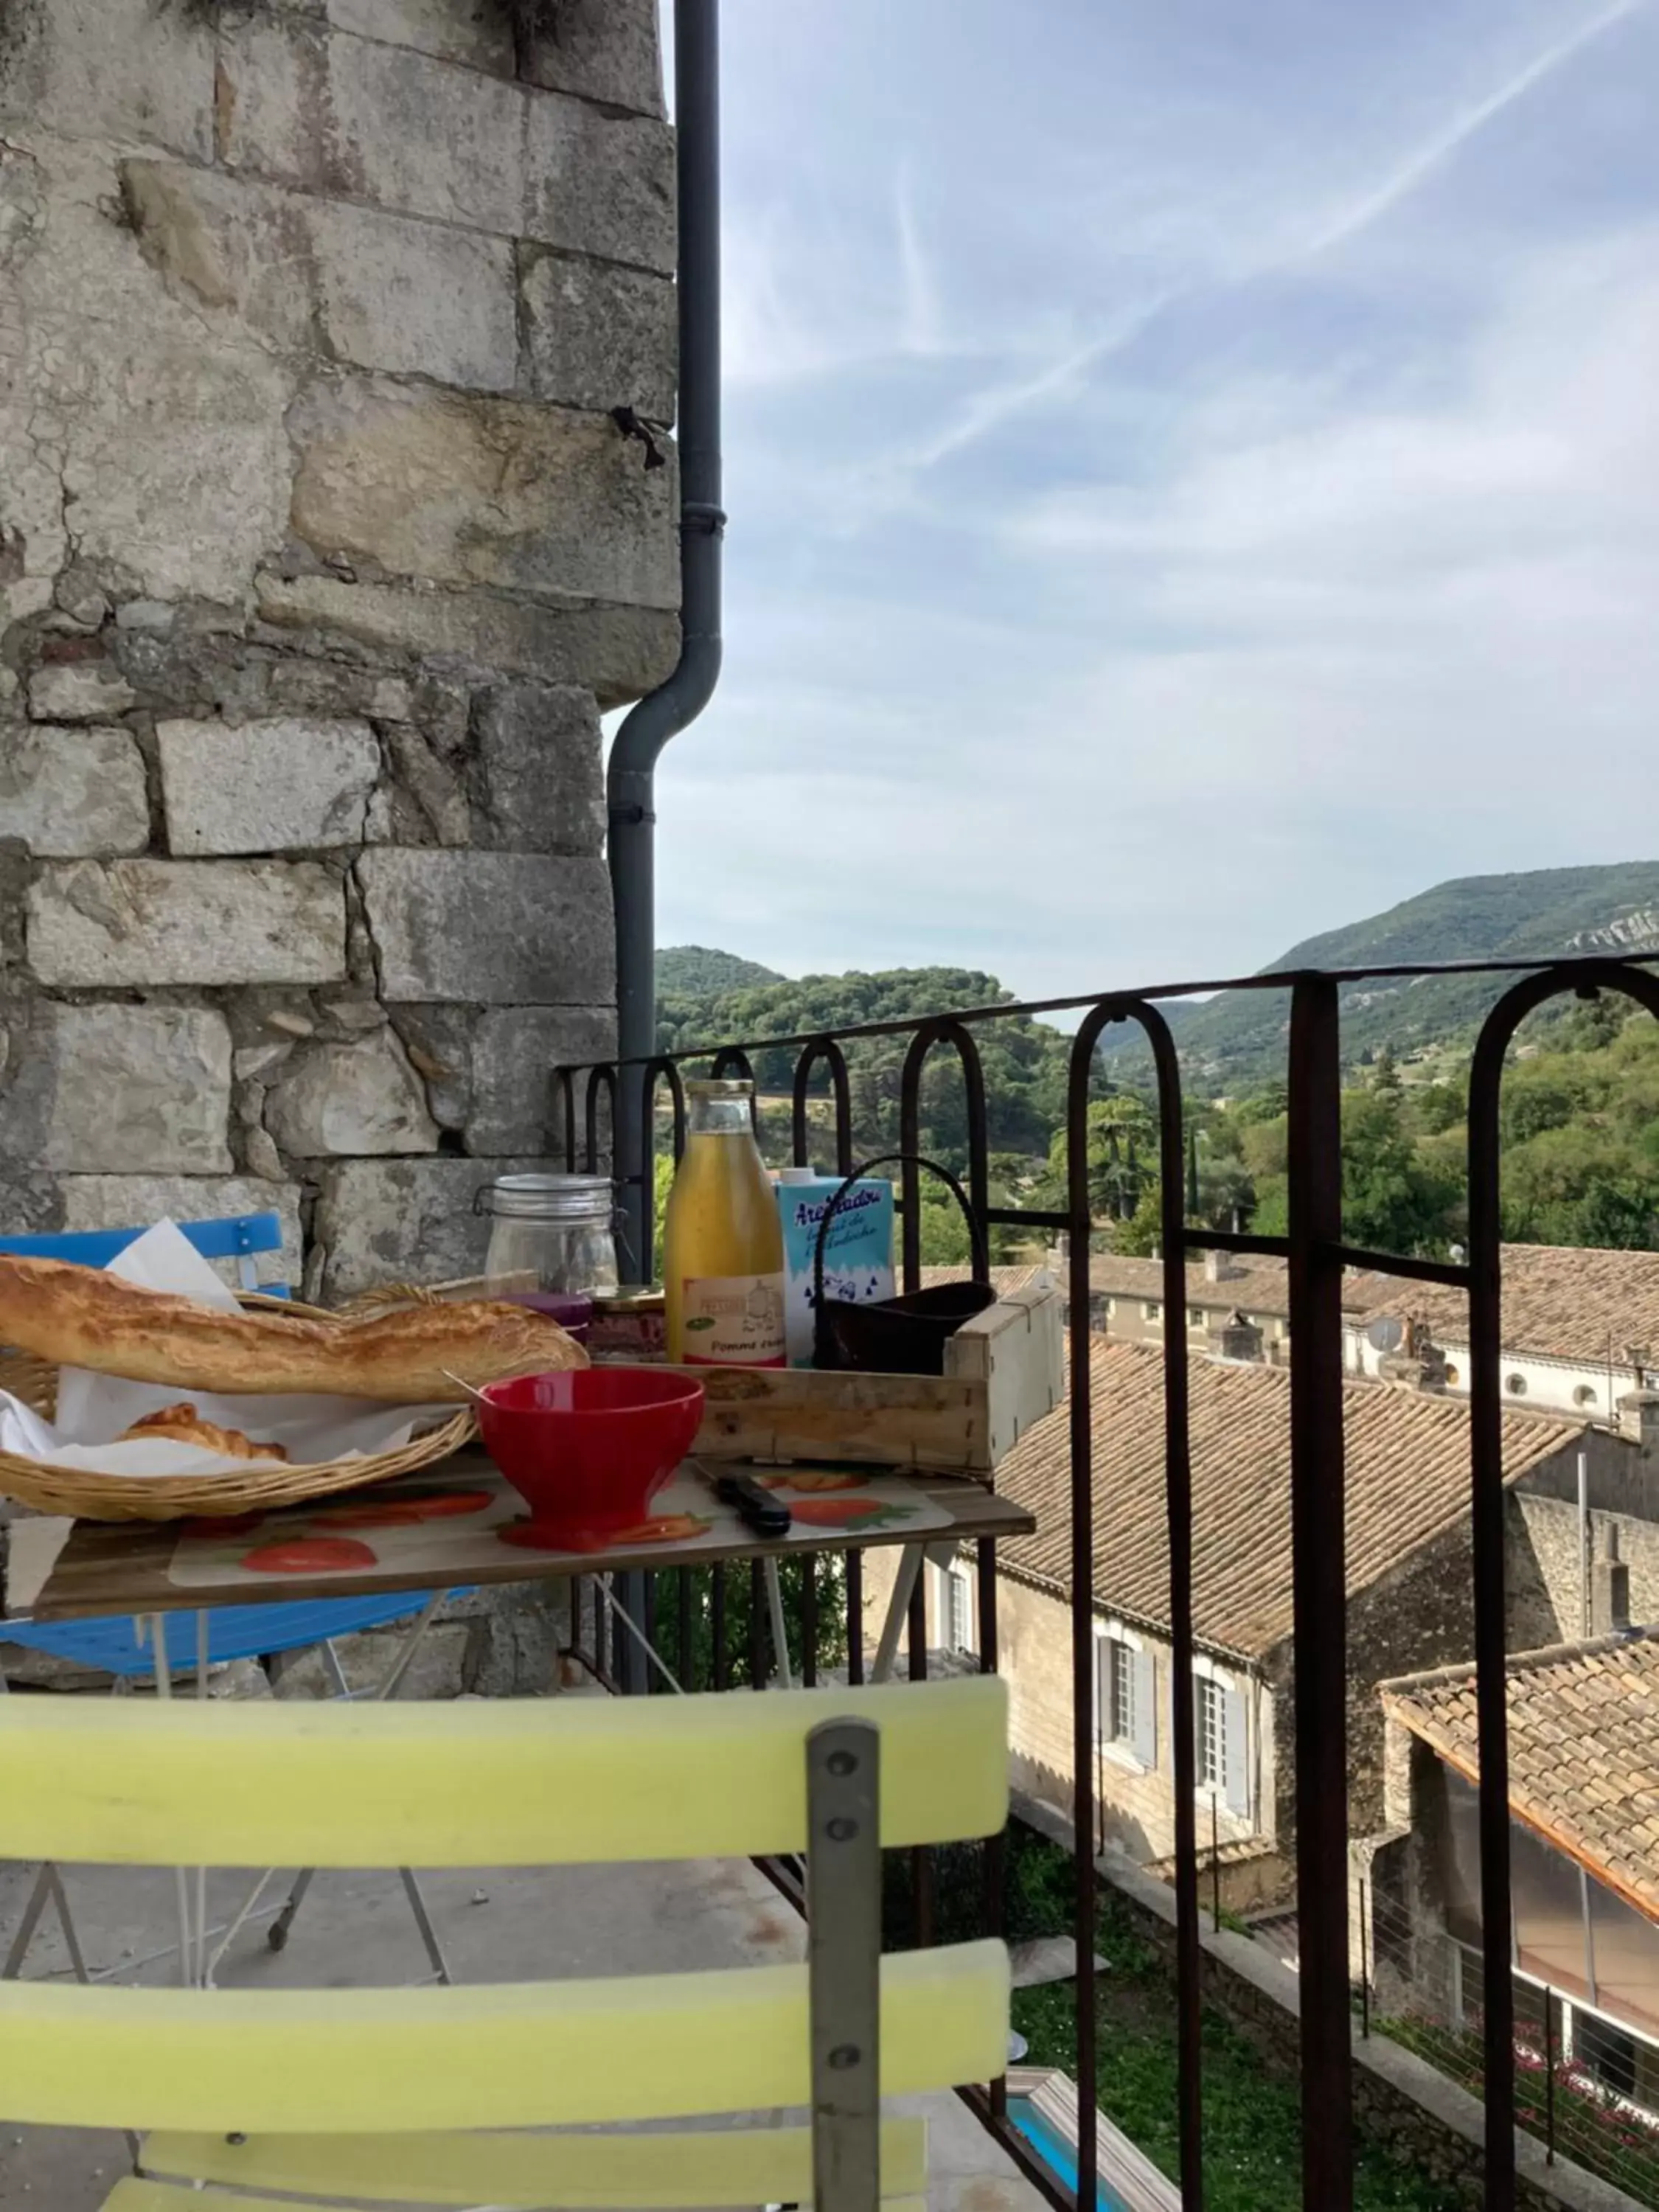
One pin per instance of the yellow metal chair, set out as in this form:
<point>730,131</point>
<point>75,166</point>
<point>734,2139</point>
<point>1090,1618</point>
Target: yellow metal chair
<point>369,2096</point>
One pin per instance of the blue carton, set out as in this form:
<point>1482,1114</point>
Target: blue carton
<point>858,1252</point>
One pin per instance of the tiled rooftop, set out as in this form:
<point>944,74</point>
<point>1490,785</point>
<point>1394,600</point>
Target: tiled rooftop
<point>1583,1750</point>
<point>1408,1480</point>
<point>1559,1302</point>
<point>1260,1287</point>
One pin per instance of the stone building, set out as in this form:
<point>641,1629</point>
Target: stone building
<point>1580,1327</point>
<point>1585,1855</point>
<point>1410,1602</point>
<point>321,551</point>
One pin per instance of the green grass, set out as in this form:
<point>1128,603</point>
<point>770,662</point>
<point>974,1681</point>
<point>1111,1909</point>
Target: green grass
<point>1252,2121</point>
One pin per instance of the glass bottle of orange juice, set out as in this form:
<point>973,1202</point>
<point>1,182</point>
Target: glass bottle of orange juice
<point>723,1239</point>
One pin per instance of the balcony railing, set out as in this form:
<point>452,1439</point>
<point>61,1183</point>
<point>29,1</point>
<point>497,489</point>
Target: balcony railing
<point>1316,1256</point>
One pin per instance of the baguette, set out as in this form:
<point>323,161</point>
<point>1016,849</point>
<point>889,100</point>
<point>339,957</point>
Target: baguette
<point>83,1317</point>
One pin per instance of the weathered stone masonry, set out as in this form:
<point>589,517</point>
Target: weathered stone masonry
<point>320,556</point>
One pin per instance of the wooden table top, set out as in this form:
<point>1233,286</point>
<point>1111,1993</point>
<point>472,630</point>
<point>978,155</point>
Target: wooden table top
<point>143,1566</point>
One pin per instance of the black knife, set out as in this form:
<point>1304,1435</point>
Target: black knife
<point>762,1511</point>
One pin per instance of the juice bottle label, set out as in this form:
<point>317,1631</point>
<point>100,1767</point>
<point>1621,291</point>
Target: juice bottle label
<point>732,1321</point>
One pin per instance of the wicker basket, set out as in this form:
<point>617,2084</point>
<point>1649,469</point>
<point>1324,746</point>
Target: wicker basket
<point>262,1486</point>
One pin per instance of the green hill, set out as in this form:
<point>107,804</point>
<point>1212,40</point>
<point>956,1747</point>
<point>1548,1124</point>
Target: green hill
<point>696,971</point>
<point>1237,1040</point>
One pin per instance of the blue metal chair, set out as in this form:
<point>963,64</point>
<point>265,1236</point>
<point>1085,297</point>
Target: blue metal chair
<point>238,1237</point>
<point>125,1648</point>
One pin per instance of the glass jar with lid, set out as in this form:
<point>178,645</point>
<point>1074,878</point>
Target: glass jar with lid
<point>558,1228</point>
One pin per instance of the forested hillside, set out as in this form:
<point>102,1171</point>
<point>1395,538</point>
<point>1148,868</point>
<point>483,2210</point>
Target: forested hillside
<point>1235,1041</point>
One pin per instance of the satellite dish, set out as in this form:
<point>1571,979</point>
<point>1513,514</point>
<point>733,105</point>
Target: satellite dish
<point>1385,1333</point>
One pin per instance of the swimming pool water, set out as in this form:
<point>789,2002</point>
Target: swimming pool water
<point>1055,2150</point>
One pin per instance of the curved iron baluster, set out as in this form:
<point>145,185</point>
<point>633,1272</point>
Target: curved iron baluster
<point>563,1082</point>
<point>1486,1473</point>
<point>826,1050</point>
<point>602,1078</point>
<point>947,1030</point>
<point>662,1069</point>
<point>1178,1505</point>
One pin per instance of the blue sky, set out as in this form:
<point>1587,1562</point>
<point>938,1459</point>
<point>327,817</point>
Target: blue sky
<point>1193,476</point>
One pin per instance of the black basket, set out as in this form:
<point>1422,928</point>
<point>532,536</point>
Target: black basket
<point>905,1335</point>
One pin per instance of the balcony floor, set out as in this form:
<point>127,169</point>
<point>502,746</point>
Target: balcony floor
<point>493,1925</point>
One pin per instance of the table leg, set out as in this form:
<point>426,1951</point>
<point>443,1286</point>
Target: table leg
<point>164,1689</point>
<point>780,1637</point>
<point>898,1606</point>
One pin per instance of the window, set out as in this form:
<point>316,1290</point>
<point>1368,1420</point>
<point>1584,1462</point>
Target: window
<point>1212,1734</point>
<point>1453,1377</point>
<point>1124,1694</point>
<point>1151,1310</point>
<point>1516,1385</point>
<point>955,1623</point>
<point>1221,1744</point>
<point>1195,1318</point>
<point>1605,2051</point>
<point>1584,1394</point>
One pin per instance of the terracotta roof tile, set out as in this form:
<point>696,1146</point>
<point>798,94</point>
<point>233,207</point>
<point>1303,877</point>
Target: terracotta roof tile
<point>1261,1285</point>
<point>1559,1301</point>
<point>1599,1806</point>
<point>1407,1460</point>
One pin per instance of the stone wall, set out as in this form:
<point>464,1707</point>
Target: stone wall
<point>320,555</point>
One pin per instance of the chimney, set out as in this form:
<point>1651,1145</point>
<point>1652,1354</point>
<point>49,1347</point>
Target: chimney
<point>1219,1268</point>
<point>1609,1589</point>
<point>1638,1420</point>
<point>1240,1340</point>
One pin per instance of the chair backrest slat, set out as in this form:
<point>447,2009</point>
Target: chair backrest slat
<point>531,1782</point>
<point>705,2166</point>
<point>510,2055</point>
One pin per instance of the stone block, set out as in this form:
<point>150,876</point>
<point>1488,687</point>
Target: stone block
<point>482,492</point>
<point>133,1201</point>
<point>125,69</point>
<point>266,786</point>
<point>181,921</point>
<point>273,106</point>
<point>599,336</point>
<point>78,691</point>
<point>68,792</point>
<point>539,765</point>
<point>339,1099</point>
<point>619,652</point>
<point>228,242</point>
<point>452,30</point>
<point>346,115</point>
<point>106,1087</point>
<point>600,183</point>
<point>489,928</point>
<point>390,1221</point>
<point>161,424</point>
<point>514,1050</point>
<point>425,137</point>
<point>602,50</point>
<point>415,299</point>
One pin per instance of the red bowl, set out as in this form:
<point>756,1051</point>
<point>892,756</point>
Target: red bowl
<point>588,1449</point>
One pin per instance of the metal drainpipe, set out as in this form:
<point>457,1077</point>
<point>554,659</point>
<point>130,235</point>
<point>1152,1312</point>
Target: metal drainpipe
<point>663,713</point>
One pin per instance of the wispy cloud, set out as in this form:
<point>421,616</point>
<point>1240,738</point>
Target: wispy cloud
<point>1426,160</point>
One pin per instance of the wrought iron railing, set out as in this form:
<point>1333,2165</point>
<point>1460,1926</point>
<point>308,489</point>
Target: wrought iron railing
<point>1317,1257</point>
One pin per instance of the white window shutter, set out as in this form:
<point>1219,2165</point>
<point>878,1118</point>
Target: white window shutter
<point>1146,1744</point>
<point>1102,1689</point>
<point>1235,1782</point>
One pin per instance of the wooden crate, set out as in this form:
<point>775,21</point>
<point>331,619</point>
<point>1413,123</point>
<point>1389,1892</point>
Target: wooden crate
<point>1003,1373</point>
